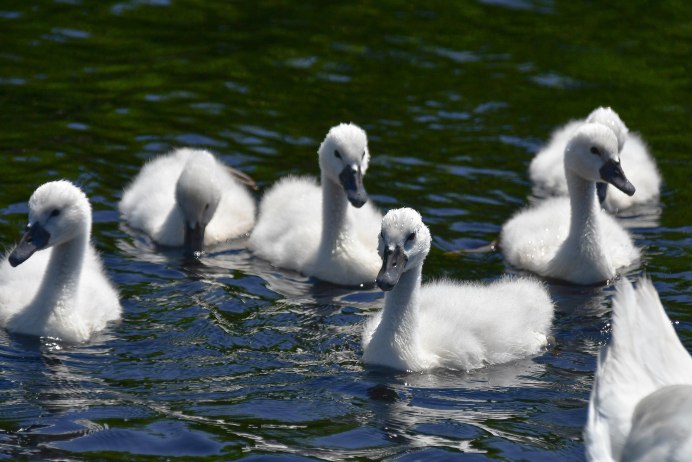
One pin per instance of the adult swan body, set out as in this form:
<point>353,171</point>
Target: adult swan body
<point>641,403</point>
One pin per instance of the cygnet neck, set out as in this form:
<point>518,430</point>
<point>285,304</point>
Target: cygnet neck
<point>401,307</point>
<point>334,213</point>
<point>61,279</point>
<point>584,222</point>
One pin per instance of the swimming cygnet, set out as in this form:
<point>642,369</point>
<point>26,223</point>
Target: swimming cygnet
<point>53,283</point>
<point>189,198</point>
<point>448,324</point>
<point>572,238</point>
<point>547,170</point>
<point>327,230</point>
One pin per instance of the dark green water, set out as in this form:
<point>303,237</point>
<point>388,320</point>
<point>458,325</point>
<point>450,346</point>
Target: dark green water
<point>233,359</point>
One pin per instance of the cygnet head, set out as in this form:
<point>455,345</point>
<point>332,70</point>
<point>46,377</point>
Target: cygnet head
<point>197,193</point>
<point>344,159</point>
<point>608,117</point>
<point>592,153</point>
<point>404,243</point>
<point>58,212</point>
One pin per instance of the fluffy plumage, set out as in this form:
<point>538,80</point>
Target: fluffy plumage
<point>641,402</point>
<point>547,170</point>
<point>188,188</point>
<point>313,228</point>
<point>448,324</point>
<point>573,239</point>
<point>61,291</point>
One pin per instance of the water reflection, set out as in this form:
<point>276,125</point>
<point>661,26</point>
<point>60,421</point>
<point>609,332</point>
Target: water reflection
<point>452,409</point>
<point>55,381</point>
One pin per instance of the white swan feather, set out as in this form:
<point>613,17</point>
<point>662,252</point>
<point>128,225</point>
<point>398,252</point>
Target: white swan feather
<point>641,402</point>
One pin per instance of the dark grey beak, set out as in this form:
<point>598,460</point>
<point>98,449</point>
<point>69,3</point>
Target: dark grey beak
<point>352,182</point>
<point>35,238</point>
<point>602,191</point>
<point>393,265</point>
<point>613,174</point>
<point>194,239</point>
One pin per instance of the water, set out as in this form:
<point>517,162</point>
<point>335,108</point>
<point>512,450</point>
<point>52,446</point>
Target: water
<point>232,359</point>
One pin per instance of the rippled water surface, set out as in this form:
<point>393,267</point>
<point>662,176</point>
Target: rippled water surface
<point>229,358</point>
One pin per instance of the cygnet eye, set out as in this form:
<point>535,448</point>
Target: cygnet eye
<point>206,207</point>
<point>337,154</point>
<point>594,150</point>
<point>411,237</point>
<point>363,156</point>
<point>55,213</point>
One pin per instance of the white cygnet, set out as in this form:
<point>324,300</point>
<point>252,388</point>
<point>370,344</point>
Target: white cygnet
<point>448,324</point>
<point>329,230</point>
<point>547,170</point>
<point>53,283</point>
<point>572,238</point>
<point>189,198</point>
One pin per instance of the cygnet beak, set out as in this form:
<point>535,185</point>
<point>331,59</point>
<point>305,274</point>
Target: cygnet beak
<point>352,182</point>
<point>601,191</point>
<point>194,238</point>
<point>35,238</point>
<point>393,265</point>
<point>613,174</point>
